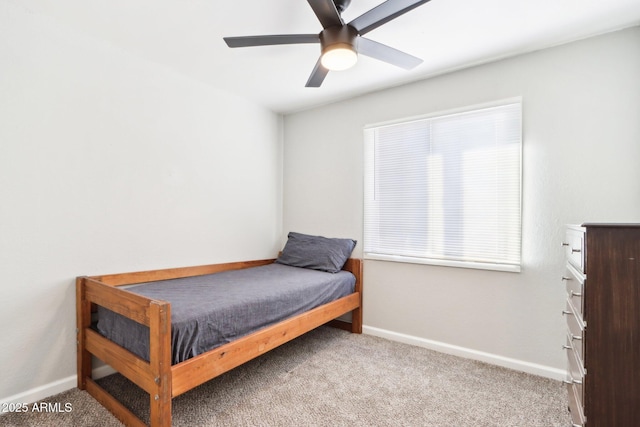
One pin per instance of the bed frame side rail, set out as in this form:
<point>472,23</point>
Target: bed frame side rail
<point>206,366</point>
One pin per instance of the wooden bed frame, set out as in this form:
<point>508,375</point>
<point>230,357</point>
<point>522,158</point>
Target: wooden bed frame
<point>158,377</point>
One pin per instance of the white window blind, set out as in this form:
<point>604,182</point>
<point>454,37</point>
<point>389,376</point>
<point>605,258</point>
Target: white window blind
<point>446,189</point>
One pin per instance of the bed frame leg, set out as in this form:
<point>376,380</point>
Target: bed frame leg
<point>160,415</point>
<point>83,321</point>
<point>160,363</point>
<point>356,320</point>
<point>356,315</point>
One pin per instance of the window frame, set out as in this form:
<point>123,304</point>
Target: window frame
<point>482,265</point>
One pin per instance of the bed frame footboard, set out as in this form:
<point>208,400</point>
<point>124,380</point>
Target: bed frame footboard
<point>158,377</point>
<point>154,376</point>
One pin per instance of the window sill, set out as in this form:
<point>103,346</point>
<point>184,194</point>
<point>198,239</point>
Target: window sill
<point>445,263</point>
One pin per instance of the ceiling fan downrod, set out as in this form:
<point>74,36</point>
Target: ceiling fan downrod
<point>341,5</point>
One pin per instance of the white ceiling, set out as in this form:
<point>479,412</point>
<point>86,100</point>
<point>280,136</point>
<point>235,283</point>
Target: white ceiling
<point>186,36</point>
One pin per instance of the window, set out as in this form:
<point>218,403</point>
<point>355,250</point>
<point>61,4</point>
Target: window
<point>445,189</point>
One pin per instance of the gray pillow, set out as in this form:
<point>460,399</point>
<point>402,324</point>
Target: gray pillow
<point>316,252</point>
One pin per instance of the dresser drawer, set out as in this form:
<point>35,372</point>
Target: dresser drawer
<point>575,407</point>
<point>574,247</point>
<point>575,283</point>
<point>576,372</point>
<point>576,330</point>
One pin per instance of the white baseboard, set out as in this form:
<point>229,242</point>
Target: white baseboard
<point>494,359</point>
<point>43,391</point>
<point>53,388</point>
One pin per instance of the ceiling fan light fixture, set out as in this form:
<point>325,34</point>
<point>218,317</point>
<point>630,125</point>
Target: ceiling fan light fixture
<point>338,47</point>
<point>339,56</point>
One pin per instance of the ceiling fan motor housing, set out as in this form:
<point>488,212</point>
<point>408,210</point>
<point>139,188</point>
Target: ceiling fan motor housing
<point>335,37</point>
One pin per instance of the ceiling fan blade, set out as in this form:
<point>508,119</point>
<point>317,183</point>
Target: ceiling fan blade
<point>326,12</point>
<point>317,75</point>
<point>383,13</point>
<point>387,54</point>
<point>248,41</point>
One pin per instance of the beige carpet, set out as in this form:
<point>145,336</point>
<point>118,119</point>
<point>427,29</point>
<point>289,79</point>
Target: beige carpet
<point>333,378</point>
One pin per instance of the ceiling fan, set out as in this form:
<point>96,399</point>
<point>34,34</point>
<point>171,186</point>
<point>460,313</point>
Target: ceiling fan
<point>341,42</point>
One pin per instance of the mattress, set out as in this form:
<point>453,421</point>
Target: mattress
<point>211,310</point>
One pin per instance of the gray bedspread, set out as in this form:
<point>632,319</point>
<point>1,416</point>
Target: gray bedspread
<point>212,310</point>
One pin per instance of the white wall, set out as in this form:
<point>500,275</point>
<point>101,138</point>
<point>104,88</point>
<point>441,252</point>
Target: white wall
<point>581,155</point>
<point>112,164</point>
